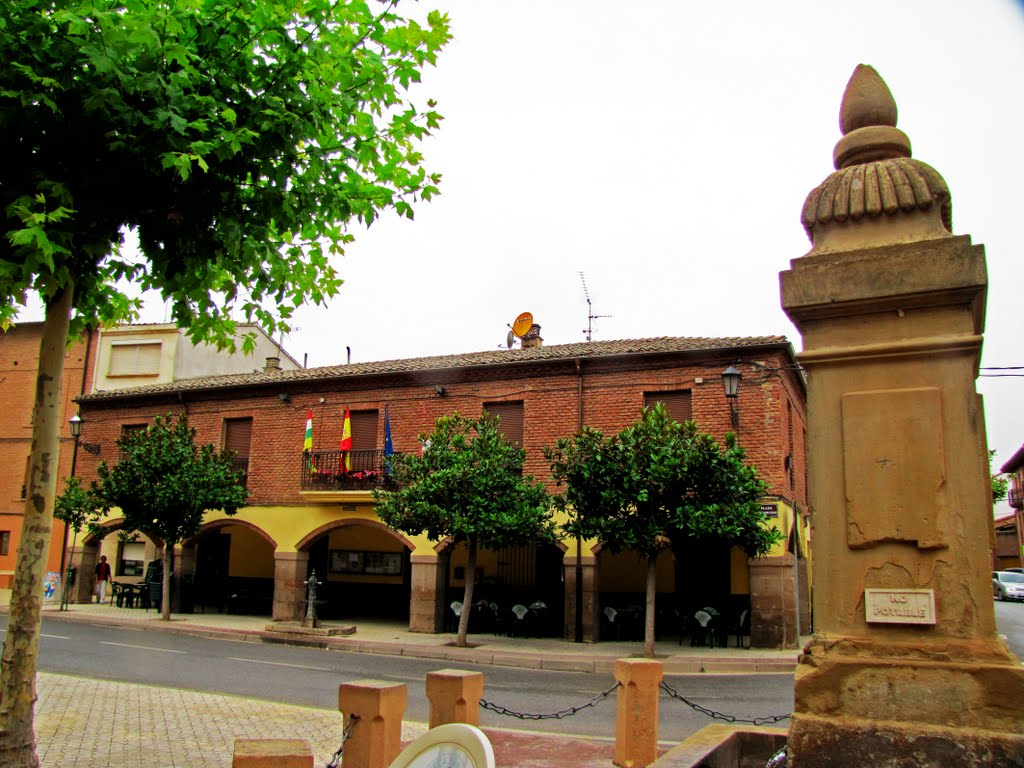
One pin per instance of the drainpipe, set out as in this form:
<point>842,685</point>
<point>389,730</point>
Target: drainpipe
<point>579,541</point>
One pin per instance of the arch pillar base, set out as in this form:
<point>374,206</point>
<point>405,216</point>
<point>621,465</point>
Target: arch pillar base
<point>426,601</point>
<point>289,585</point>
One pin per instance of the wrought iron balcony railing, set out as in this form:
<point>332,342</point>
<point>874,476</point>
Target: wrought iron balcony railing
<point>1016,498</point>
<point>327,471</point>
<point>241,464</point>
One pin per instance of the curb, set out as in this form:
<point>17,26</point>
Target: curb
<point>561,662</point>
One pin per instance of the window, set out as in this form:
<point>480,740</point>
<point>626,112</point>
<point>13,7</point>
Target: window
<point>364,430</point>
<point>677,403</point>
<point>5,542</point>
<point>139,359</point>
<point>238,438</point>
<point>133,559</point>
<point>510,420</point>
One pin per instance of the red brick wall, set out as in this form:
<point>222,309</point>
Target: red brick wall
<point>19,358</point>
<point>613,392</point>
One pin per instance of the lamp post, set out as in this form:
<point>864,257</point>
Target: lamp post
<point>731,382</point>
<point>75,422</point>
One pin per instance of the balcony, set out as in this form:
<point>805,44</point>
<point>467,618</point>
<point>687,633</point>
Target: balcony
<point>325,471</point>
<point>1016,498</point>
<point>241,465</point>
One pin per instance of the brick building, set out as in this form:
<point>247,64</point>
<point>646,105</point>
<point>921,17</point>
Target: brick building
<point>305,515</point>
<point>123,356</point>
<point>1015,496</point>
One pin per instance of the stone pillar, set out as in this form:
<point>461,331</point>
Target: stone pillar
<point>289,587</point>
<point>84,558</point>
<point>636,712</point>
<point>377,733</point>
<point>426,599</point>
<point>773,602</point>
<point>272,753</point>
<point>905,667</point>
<point>454,696</point>
<point>591,621</point>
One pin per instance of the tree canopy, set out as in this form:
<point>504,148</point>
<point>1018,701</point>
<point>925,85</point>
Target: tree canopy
<point>658,484</point>
<point>468,485</point>
<point>164,484</point>
<point>238,138</point>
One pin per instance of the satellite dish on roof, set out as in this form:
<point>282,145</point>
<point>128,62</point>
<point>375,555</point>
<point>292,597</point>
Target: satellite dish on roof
<point>510,339</point>
<point>522,325</point>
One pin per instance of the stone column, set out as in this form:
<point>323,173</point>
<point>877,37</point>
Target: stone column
<point>905,667</point>
<point>378,707</point>
<point>289,590</point>
<point>773,602</point>
<point>426,599</point>
<point>454,696</point>
<point>590,597</point>
<point>84,557</point>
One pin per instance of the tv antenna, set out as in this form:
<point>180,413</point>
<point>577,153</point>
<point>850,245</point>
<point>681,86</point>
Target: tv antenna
<point>591,317</point>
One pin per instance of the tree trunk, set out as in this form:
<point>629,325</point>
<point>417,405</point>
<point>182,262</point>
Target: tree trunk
<point>165,586</point>
<point>21,645</point>
<point>467,597</point>
<point>652,573</point>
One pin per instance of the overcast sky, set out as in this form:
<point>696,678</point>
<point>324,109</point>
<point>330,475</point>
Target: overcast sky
<point>665,149</point>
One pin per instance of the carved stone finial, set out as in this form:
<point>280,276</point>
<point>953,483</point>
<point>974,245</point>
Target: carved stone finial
<point>875,179</point>
<point>867,119</point>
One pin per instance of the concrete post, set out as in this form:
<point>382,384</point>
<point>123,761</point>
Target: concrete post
<point>636,712</point>
<point>426,601</point>
<point>272,753</point>
<point>454,696</point>
<point>289,589</point>
<point>377,735</point>
<point>773,598</point>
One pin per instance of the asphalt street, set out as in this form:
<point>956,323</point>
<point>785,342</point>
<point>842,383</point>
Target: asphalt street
<point>311,677</point>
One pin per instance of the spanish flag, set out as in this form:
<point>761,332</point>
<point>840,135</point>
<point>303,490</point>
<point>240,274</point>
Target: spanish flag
<point>346,441</point>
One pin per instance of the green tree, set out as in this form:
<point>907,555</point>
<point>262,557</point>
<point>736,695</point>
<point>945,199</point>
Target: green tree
<point>1000,482</point>
<point>656,485</point>
<point>80,509</point>
<point>164,484</point>
<point>467,485</point>
<point>239,139</point>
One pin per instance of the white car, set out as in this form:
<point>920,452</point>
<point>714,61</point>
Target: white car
<point>1007,585</point>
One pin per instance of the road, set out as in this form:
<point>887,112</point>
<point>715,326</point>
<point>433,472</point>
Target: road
<point>311,677</point>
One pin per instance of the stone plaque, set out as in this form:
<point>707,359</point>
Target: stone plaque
<point>899,606</point>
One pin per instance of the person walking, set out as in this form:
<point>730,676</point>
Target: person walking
<point>102,578</point>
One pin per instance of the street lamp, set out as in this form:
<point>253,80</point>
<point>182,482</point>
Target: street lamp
<point>75,423</point>
<point>731,382</point>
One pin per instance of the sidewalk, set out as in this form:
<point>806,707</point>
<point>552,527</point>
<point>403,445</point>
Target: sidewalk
<point>392,638</point>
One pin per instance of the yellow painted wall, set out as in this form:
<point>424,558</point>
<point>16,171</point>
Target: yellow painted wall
<point>739,571</point>
<point>626,572</point>
<point>251,556</point>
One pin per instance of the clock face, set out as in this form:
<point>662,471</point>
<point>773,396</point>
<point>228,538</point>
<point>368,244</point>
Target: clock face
<point>443,756</point>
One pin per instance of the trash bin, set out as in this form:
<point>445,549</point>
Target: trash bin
<point>72,573</point>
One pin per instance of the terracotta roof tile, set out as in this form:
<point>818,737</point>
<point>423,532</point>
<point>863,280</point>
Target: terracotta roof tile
<point>583,349</point>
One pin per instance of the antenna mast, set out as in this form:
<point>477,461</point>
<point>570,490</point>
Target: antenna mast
<point>591,317</point>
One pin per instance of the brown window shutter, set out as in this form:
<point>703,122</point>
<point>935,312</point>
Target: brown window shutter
<point>510,422</point>
<point>364,430</point>
<point>238,436</point>
<point>677,403</point>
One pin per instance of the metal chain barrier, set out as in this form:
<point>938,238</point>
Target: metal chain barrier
<point>346,734</point>
<point>568,712</point>
<point>672,692</point>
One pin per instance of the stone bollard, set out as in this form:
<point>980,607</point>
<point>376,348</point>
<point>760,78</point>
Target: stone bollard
<point>272,753</point>
<point>636,712</point>
<point>377,735</point>
<point>454,696</point>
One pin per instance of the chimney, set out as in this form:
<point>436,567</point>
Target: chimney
<point>272,364</point>
<point>532,338</point>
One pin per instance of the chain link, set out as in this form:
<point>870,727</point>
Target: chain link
<point>771,720</point>
<point>346,734</point>
<point>568,712</point>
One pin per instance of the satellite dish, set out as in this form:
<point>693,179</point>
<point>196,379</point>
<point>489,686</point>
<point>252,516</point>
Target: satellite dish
<point>522,325</point>
<point>510,339</point>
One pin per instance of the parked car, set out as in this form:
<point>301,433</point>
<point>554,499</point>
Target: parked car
<point>1014,570</point>
<point>1007,585</point>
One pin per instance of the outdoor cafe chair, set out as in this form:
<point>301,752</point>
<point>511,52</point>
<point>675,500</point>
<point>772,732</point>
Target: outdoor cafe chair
<point>703,629</point>
<point>456,608</point>
<point>518,626</point>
